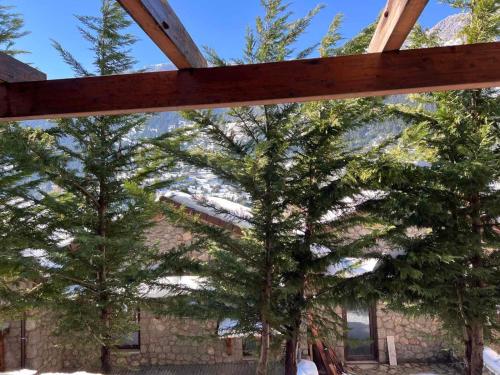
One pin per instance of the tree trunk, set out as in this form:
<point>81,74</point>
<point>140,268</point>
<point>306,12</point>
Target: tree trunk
<point>292,345</point>
<point>267,286</point>
<point>266,328</point>
<point>475,329</point>
<point>105,359</point>
<point>264,349</point>
<point>105,349</point>
<point>102,277</point>
<point>474,349</point>
<point>467,352</point>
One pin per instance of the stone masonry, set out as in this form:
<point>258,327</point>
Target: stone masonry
<point>164,341</point>
<point>42,349</point>
<point>417,339</point>
<point>173,341</point>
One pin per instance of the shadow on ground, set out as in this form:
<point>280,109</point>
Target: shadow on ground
<point>222,369</point>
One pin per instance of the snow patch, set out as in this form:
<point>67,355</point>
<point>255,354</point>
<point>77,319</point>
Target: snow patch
<point>227,328</point>
<point>306,367</point>
<point>40,256</point>
<point>350,204</point>
<point>220,208</point>
<point>171,286</point>
<point>34,372</point>
<point>352,267</point>
<point>492,360</point>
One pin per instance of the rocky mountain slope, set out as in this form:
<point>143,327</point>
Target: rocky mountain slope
<point>203,182</point>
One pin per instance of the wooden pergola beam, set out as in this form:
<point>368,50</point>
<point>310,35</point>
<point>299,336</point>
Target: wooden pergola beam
<point>161,24</point>
<point>12,70</point>
<point>400,72</point>
<point>396,22</point>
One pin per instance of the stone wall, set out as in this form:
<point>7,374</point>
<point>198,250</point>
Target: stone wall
<point>167,236</point>
<point>168,340</point>
<point>42,349</point>
<point>417,339</point>
<point>164,341</point>
<point>12,345</point>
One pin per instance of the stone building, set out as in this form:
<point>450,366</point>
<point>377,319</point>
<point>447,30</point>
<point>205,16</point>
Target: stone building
<point>161,340</point>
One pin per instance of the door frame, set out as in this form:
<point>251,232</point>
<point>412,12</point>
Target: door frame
<point>372,316</point>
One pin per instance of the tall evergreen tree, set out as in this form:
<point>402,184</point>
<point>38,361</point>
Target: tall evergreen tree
<point>21,224</point>
<point>17,219</point>
<point>322,192</point>
<point>293,162</point>
<point>100,205</point>
<point>442,204</point>
<point>251,151</point>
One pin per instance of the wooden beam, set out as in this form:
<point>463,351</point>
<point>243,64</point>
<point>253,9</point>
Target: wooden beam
<point>400,72</point>
<point>12,70</point>
<point>396,22</point>
<point>161,24</point>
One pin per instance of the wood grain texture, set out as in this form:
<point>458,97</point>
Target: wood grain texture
<point>396,22</point>
<point>161,24</point>
<point>398,72</point>
<point>391,348</point>
<point>12,70</point>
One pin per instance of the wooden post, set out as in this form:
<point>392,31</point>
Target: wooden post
<point>229,346</point>
<point>391,348</point>
<point>402,72</point>
<point>12,70</point>
<point>396,22</point>
<point>2,352</point>
<point>159,21</point>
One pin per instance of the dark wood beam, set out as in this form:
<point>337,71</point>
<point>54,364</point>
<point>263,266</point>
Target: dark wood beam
<point>12,70</point>
<point>396,22</point>
<point>398,72</point>
<point>161,24</point>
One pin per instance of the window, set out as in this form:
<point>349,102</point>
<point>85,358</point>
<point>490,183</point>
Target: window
<point>250,346</point>
<point>361,335</point>
<point>132,340</point>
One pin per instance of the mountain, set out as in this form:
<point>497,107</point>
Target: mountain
<point>204,182</point>
<point>448,30</point>
<point>448,33</point>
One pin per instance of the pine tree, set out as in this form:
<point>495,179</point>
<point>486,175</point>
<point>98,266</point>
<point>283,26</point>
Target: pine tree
<point>442,204</point>
<point>18,222</point>
<point>291,161</point>
<point>11,29</point>
<point>100,203</point>
<point>322,192</point>
<point>251,151</point>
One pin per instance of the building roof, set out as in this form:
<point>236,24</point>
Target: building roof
<point>228,212</point>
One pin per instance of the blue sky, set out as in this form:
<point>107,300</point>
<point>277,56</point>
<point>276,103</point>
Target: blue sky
<point>220,24</point>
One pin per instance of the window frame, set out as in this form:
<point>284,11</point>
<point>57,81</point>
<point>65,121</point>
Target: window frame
<point>138,345</point>
<point>254,354</point>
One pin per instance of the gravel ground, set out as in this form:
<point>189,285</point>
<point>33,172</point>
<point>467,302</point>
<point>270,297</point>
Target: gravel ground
<point>249,369</point>
<point>404,369</point>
